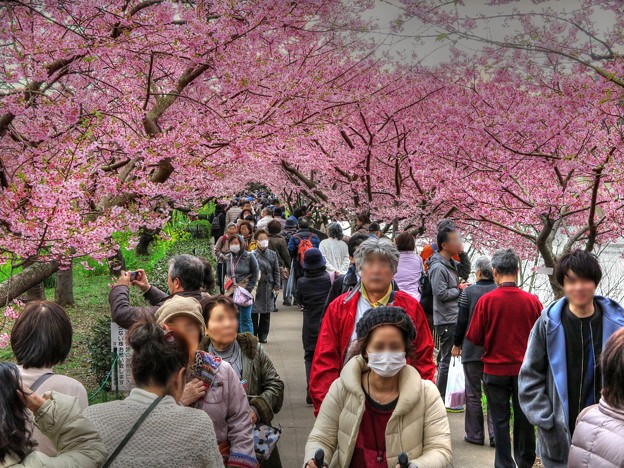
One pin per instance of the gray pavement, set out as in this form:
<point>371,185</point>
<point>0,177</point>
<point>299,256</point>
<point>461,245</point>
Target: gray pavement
<point>296,417</point>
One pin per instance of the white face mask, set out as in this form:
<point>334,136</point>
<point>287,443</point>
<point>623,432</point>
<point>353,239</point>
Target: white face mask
<point>386,364</point>
<point>235,248</point>
<point>263,243</point>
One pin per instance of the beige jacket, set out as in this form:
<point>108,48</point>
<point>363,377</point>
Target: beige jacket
<point>78,443</point>
<point>418,426</point>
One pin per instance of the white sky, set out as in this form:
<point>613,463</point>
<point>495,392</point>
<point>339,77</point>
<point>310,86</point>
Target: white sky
<point>431,51</point>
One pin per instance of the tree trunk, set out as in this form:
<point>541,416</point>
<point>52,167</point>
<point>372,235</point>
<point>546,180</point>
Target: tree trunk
<point>145,239</point>
<point>36,293</point>
<point>64,292</point>
<point>28,278</point>
<point>116,263</point>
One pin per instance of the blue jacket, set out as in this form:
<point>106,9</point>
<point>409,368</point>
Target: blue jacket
<point>543,380</point>
<point>293,242</point>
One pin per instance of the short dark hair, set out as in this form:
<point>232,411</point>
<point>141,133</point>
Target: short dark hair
<point>405,242</point>
<point>298,212</point>
<point>15,433</point>
<point>374,227</point>
<point>363,218</point>
<point>209,278</point>
<point>506,262</point>
<point>247,224</point>
<point>443,236</point>
<point>581,263</point>
<point>277,211</point>
<point>156,358</point>
<point>210,303</point>
<point>304,222</point>
<point>259,232</point>
<point>612,363</point>
<point>41,335</point>
<point>354,243</point>
<point>189,270</point>
<point>274,227</point>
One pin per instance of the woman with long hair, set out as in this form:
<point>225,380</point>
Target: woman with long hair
<point>58,417</point>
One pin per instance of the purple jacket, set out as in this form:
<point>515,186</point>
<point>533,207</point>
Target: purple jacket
<point>598,437</point>
<point>409,272</point>
<point>226,404</point>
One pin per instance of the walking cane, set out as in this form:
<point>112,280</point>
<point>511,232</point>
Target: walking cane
<point>403,460</point>
<point>319,458</point>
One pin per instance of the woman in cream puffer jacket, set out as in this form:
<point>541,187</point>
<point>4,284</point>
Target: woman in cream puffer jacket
<point>418,426</point>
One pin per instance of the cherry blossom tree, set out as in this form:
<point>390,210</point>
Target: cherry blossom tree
<point>112,114</point>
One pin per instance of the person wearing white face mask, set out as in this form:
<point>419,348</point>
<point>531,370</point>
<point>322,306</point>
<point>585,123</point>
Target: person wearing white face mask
<point>241,270</point>
<point>268,285</point>
<point>379,406</point>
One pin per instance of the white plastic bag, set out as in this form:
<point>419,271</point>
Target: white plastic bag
<point>455,397</point>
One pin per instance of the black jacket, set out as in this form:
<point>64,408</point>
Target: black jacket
<point>312,290</point>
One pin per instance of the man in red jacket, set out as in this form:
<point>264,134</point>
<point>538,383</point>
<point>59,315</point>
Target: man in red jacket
<point>502,322</point>
<point>377,261</point>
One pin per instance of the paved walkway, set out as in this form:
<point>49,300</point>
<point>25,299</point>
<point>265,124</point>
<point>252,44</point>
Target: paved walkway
<point>296,417</point>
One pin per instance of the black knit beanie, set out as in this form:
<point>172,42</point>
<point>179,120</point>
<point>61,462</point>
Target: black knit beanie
<point>386,316</point>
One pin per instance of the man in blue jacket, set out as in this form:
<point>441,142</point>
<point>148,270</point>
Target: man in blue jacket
<point>560,374</point>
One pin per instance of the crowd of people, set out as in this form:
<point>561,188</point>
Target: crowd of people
<point>381,323</point>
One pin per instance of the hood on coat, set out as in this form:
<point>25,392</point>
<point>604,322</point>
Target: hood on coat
<point>410,383</point>
<point>438,258</point>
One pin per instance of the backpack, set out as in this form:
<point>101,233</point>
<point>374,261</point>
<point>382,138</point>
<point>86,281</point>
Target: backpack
<point>305,244</point>
<point>216,222</point>
<point>426,290</point>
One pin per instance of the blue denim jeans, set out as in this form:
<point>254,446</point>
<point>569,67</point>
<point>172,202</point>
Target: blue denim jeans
<point>244,320</point>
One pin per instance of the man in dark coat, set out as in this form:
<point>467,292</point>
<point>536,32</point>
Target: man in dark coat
<point>312,291</point>
<point>301,235</point>
<point>185,278</point>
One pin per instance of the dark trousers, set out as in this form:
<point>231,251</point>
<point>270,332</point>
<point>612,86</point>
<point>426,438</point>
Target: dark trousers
<point>473,421</point>
<point>308,366</point>
<point>445,336</point>
<point>261,323</point>
<point>499,389</point>
<point>220,275</point>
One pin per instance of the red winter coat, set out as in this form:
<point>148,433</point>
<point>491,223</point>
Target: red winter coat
<point>337,328</point>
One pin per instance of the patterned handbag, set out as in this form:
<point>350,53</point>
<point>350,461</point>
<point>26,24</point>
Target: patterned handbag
<point>265,439</point>
<point>242,297</point>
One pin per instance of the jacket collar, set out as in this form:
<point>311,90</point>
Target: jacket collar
<point>410,384</point>
<point>247,342</point>
<point>146,398</point>
<point>610,411</point>
<point>612,320</point>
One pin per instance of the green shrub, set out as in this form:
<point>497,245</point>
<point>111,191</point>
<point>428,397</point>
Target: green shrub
<point>50,281</point>
<point>205,211</point>
<point>200,229</point>
<point>100,354</point>
<point>199,247</point>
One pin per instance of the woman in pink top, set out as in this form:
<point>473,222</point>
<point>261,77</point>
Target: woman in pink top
<point>411,266</point>
<point>41,338</point>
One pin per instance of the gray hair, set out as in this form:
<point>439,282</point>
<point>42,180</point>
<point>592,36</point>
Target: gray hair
<point>188,269</point>
<point>379,247</point>
<point>334,230</point>
<point>506,262</point>
<point>484,265</point>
